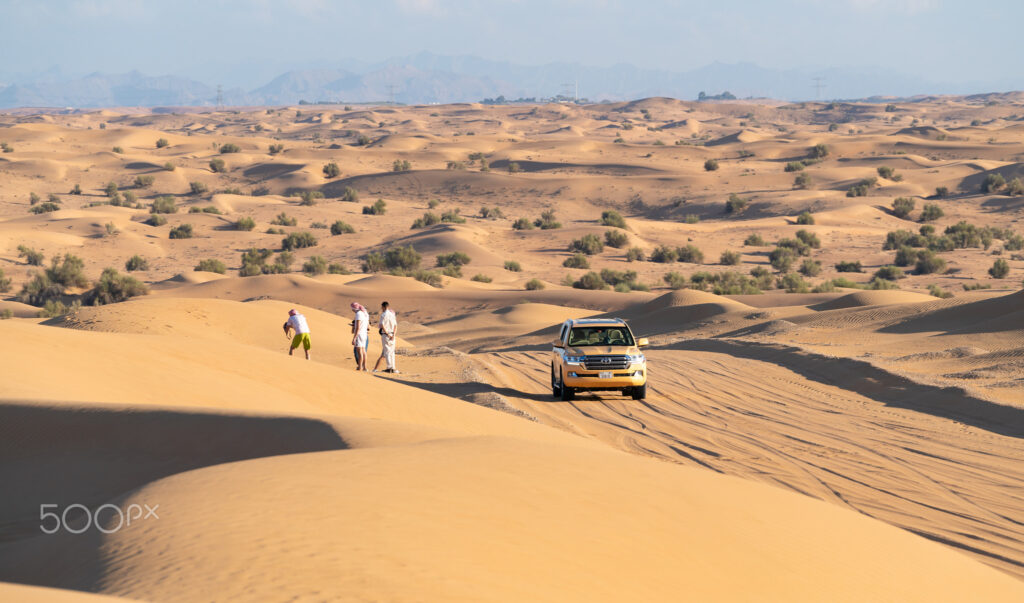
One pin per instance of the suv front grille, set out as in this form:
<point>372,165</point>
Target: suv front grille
<point>606,363</point>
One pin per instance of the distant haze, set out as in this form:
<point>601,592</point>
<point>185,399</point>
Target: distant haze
<point>65,52</point>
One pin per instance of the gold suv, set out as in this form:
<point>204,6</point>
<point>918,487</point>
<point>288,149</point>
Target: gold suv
<point>598,354</point>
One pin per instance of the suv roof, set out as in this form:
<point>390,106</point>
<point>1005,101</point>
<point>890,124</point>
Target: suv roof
<point>596,321</point>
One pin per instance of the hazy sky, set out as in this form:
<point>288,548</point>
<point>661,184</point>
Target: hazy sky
<point>245,43</point>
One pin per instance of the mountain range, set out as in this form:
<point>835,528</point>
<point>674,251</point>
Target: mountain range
<point>428,78</point>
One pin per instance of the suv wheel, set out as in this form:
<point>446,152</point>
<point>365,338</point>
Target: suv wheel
<point>640,392</point>
<point>567,393</point>
<point>556,387</point>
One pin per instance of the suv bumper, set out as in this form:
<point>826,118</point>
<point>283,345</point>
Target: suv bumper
<point>585,379</point>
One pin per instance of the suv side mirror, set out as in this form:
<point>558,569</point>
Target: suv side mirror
<point>642,342</point>
<point>557,343</point>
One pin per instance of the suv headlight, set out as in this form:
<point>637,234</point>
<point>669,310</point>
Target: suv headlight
<point>636,358</point>
<point>575,359</point>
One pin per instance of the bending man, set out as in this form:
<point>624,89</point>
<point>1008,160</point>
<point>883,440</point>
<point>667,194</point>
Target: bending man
<point>297,322</point>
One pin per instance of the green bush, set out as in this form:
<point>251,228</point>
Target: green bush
<point>729,258</point>
<point>992,183</point>
<point>488,213</point>
<point>1013,242</point>
<point>513,266</point>
<point>428,219</point>
<point>547,220</point>
<point>886,172</point>
<point>964,235</point>
<point>335,268</point>
<point>664,254</point>
<point>283,219</point>
<point>999,269</point>
<point>691,218</point>
<point>217,165</point>
<point>590,280</point>
<point>611,217</point>
<point>298,240</point>
<point>5,283</point>
<point>156,220</point>
<point>144,181</point>
<point>936,291</point>
<point>314,266</point>
<point>76,190</point>
<point>616,238</point>
<point>331,170</point>
<point>254,261</point>
<point>182,231</point>
<point>881,283</point>
<point>350,194</point>
<point>455,258</point>
<point>32,257</point>
<point>481,278</point>
<point>394,258</point>
<point>589,244</point>
<point>690,254</point>
<point>452,216</point>
<point>136,262</point>
<point>245,223</point>
<point>276,148</point>
<point>513,168</point>
<point>931,212</point>
<point>522,224</point>
<point>433,203</point>
<point>905,256</point>
<point>44,208</point>
<point>197,188</point>
<point>230,147</point>
<point>942,192</point>
<point>796,245</point>
<point>168,167</point>
<point>793,283</point>
<point>824,287</point>
<point>379,208</point>
<point>634,254</point>
<point>50,285</point>
<point>161,143</point>
<point>735,204</point>
<point>1015,187</point>
<point>845,266</point>
<point>114,287</point>
<point>209,209</point>
<point>401,165</point>
<point>818,151</point>
<point>163,205</point>
<point>782,258</point>
<point>929,263</point>
<point>810,267</point>
<point>754,240</point>
<point>534,284</point>
<point>576,260</point>
<point>795,166</point>
<point>211,265</point>
<point>802,181</point>
<point>309,198</point>
<point>711,165</point>
<point>674,280</point>
<point>902,206</point>
<point>805,218</point>
<point>808,238</point>
<point>889,273</point>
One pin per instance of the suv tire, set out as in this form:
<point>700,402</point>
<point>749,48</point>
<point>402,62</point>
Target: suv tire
<point>556,387</point>
<point>640,392</point>
<point>567,393</point>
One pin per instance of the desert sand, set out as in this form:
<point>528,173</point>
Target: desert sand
<point>836,440</point>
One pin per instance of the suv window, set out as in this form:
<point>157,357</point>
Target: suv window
<point>561,334</point>
<point>600,335</point>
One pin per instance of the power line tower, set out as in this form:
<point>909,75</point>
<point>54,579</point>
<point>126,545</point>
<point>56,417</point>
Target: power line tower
<point>220,97</point>
<point>818,86</point>
<point>391,94</point>
<point>573,88</point>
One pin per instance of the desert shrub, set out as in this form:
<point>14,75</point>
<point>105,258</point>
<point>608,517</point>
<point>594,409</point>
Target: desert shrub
<point>110,189</point>
<point>763,277</point>
<point>455,258</point>
<point>230,147</point>
<point>181,231</point>
<point>547,220</point>
<point>711,165</point>
<point>350,194</point>
<point>481,278</point>
<point>674,280</point>
<point>253,262</point>
<point>942,192</point>
<point>845,266</point>
<point>32,257</point>
<point>209,209</point>
<point>735,204</point>
<point>1012,242</point>
<point>491,213</point>
<point>899,238</point>
<point>881,283</point>
<point>664,254</point>
<point>824,287</point>
<point>161,143</point>
<point>33,198</point>
<point>889,273</point>
<point>690,254</point>
<point>795,166</point>
<point>452,216</point>
<point>379,208</point>
<point>197,188</point>
<point>319,225</point>
<point>430,277</point>
<point>331,170</point>
<point>429,219</point>
<point>729,258</point>
<point>394,258</point>
<point>793,283</point>
<point>433,203</point>
<point>335,268</point>
<point>534,284</point>
<point>902,206</point>
<point>168,167</point>
<point>217,165</point>
<point>576,260</point>
<point>514,168</point>
<point>929,263</point>
<point>513,266</point>
<point>802,180</point>
<point>886,172</point>
<point>931,212</point>
<point>808,238</point>
<point>129,199</point>
<point>211,265</point>
<point>76,190</point>
<point>50,285</point>
<point>522,224</point>
<point>44,208</point>
<point>1015,187</point>
<point>118,150</point>
<point>810,267</point>
<point>298,240</point>
<point>245,223</point>
<point>846,283</point>
<point>782,258</point>
<point>144,181</point>
<point>283,219</point>
<point>992,183</point>
<point>964,235</point>
<point>308,198</point>
<point>401,165</point>
<point>754,240</point>
<point>612,218</point>
<point>315,265</point>
<point>999,269</point>
<point>616,238</point>
<point>926,230</point>
<point>905,256</point>
<point>276,148</point>
<point>5,284</point>
<point>805,218</point>
<point>634,254</point>
<point>7,314</point>
<point>156,220</point>
<point>589,244</point>
<point>136,262</point>
<point>260,191</point>
<point>936,291</point>
<point>818,151</point>
<point>590,280</point>
<point>114,287</point>
<point>858,190</point>
<point>798,246</point>
<point>691,218</point>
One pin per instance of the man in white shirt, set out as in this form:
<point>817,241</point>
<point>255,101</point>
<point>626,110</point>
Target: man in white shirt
<point>297,322</point>
<point>388,330</point>
<point>360,334</point>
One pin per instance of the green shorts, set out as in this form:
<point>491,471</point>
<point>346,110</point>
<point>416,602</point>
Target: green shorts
<point>302,338</point>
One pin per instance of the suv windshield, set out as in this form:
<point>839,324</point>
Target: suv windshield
<point>600,335</point>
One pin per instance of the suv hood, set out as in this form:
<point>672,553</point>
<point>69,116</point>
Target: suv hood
<point>594,350</point>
